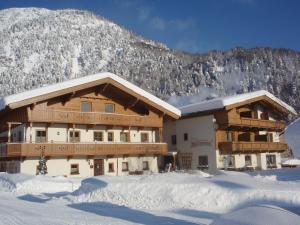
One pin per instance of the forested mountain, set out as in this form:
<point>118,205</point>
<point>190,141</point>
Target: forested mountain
<point>40,46</point>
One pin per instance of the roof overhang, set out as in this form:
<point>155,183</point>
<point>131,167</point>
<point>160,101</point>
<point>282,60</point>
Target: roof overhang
<point>74,85</point>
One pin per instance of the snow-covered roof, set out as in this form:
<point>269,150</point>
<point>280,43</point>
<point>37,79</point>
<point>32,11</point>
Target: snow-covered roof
<point>219,103</point>
<point>5,101</point>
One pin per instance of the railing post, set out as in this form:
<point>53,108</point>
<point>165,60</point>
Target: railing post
<point>9,132</point>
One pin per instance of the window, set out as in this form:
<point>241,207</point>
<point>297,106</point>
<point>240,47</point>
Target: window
<point>86,106</point>
<point>186,160</point>
<point>74,169</point>
<point>124,166</point>
<point>230,161</point>
<point>20,136</point>
<point>248,160</point>
<point>124,137</point>
<point>145,165</point>
<point>110,136</point>
<point>270,137</point>
<point>229,136</point>
<point>185,137</point>
<point>173,139</point>
<point>40,136</point>
<point>246,114</point>
<point>74,136</point>
<point>109,108</point>
<point>271,161</point>
<point>203,162</point>
<point>98,136</point>
<point>111,167</point>
<point>144,137</point>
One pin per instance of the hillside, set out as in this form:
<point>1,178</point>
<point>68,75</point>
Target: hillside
<point>40,46</point>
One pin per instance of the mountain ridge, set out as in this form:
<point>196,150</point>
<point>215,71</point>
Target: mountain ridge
<point>41,46</point>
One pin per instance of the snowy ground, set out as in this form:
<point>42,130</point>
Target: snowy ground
<point>266,197</point>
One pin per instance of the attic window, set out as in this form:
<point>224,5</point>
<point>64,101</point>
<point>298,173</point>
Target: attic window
<point>86,107</point>
<point>109,108</point>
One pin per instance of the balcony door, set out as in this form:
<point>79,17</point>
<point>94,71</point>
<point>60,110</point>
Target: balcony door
<point>98,167</point>
<point>40,136</point>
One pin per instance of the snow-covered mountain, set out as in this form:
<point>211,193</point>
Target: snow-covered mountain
<point>40,46</point>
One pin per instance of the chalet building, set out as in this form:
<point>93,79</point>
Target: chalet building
<point>238,132</point>
<point>94,125</point>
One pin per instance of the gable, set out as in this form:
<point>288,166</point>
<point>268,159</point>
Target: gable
<point>100,81</point>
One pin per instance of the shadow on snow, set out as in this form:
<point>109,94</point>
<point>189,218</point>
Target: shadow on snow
<point>131,215</point>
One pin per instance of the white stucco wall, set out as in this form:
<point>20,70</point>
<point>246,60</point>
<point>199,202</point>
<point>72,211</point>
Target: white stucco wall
<point>59,132</point>
<point>201,139</point>
<point>62,166</point>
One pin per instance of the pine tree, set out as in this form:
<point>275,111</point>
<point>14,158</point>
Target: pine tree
<point>42,164</point>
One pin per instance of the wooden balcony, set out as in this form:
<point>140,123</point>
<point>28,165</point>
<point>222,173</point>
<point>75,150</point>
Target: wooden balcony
<point>80,149</point>
<point>53,116</point>
<point>255,123</point>
<point>252,147</point>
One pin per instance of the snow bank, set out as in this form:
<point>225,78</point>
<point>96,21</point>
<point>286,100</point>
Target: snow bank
<point>21,183</point>
<point>194,191</point>
<point>258,215</point>
<point>292,162</point>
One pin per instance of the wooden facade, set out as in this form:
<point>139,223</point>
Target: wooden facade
<point>101,103</point>
<point>80,149</point>
<point>250,127</point>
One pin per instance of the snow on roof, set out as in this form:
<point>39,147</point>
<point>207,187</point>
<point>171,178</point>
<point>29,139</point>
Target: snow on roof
<point>5,101</point>
<point>219,103</point>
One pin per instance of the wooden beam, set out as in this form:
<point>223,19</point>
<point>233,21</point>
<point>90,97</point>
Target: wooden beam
<point>9,132</point>
<point>132,104</point>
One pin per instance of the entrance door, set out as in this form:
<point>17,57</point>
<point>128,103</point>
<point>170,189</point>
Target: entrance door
<point>98,167</point>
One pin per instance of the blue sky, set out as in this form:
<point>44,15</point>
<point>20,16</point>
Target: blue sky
<point>196,25</point>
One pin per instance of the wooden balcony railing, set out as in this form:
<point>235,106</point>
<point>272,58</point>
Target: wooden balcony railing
<point>252,147</point>
<point>259,123</point>
<point>80,149</point>
<point>54,116</point>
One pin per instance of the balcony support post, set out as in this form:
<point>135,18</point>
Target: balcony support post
<point>30,132</point>
<point>9,132</point>
<point>160,130</point>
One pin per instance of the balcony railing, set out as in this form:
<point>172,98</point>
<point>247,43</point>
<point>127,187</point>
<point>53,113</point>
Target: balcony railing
<point>259,123</point>
<point>252,147</point>
<point>80,149</point>
<point>55,116</point>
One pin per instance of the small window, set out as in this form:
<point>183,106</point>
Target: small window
<point>248,160</point>
<point>111,167</point>
<point>74,169</point>
<point>145,165</point>
<point>109,108</point>
<point>110,136</point>
<point>86,106</point>
<point>124,166</point>
<point>40,136</point>
<point>173,139</point>
<point>124,137</point>
<point>203,162</point>
<point>74,136</point>
<point>271,161</point>
<point>144,137</point>
<point>185,136</point>
<point>20,136</point>
<point>98,136</point>
<point>230,161</point>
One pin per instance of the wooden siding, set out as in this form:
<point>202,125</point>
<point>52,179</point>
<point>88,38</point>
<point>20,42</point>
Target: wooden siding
<point>232,119</point>
<point>251,147</point>
<point>80,149</point>
<point>54,116</point>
